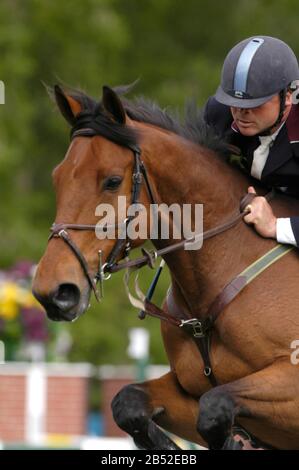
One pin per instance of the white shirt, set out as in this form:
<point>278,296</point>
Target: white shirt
<point>284,232</point>
<point>260,154</point>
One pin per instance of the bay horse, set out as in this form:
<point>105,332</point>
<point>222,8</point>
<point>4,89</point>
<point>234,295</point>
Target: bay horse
<point>250,349</point>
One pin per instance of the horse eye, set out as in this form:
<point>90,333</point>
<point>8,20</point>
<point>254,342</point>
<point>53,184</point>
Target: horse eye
<point>113,182</point>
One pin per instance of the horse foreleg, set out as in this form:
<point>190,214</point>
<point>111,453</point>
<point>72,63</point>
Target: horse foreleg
<point>133,412</point>
<point>266,403</point>
<point>138,408</point>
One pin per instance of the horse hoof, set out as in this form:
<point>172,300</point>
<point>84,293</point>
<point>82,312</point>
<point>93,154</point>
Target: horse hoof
<point>215,418</point>
<point>131,410</point>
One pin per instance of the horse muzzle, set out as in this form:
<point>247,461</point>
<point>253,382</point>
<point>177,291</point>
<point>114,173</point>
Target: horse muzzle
<point>65,303</point>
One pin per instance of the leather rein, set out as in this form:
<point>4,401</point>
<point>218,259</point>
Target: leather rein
<point>122,246</point>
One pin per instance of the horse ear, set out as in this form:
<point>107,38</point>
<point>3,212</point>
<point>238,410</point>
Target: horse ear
<point>113,105</point>
<point>68,106</point>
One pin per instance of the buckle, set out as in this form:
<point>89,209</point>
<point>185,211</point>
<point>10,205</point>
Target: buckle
<point>137,177</point>
<point>62,233</point>
<point>151,257</point>
<point>101,276</point>
<point>194,327</point>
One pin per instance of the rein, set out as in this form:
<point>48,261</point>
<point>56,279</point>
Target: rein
<point>150,257</point>
<point>122,246</point>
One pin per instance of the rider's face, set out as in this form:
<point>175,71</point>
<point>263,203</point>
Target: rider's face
<point>254,121</point>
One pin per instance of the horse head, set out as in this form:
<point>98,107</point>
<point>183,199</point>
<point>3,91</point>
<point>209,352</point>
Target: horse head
<point>113,144</point>
<point>101,165</point>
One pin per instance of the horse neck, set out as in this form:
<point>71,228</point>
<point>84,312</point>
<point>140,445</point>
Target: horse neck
<point>185,173</point>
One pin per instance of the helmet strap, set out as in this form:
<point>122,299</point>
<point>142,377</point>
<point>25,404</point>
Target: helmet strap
<point>282,97</point>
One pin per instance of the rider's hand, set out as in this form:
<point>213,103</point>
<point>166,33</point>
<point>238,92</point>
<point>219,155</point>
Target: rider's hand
<point>261,216</point>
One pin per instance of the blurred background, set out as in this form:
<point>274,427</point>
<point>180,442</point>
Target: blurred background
<point>176,49</point>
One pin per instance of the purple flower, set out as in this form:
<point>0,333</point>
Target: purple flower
<point>21,270</point>
<point>34,324</point>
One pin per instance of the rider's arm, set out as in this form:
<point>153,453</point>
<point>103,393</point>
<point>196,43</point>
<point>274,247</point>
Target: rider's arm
<point>285,233</point>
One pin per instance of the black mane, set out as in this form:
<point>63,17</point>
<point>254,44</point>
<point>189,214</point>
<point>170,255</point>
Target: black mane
<point>193,127</point>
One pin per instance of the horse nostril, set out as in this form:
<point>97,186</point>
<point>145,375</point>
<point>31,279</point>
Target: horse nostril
<point>66,297</point>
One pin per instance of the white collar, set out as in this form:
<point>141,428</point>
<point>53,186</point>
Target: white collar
<point>271,137</point>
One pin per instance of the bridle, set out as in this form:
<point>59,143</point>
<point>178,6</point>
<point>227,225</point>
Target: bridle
<point>122,245</point>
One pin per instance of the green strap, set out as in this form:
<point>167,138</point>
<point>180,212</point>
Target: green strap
<point>265,261</point>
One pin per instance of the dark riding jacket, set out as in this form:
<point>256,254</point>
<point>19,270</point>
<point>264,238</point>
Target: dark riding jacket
<point>282,165</point>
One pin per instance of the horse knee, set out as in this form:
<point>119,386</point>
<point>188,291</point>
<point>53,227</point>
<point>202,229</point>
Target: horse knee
<point>131,409</point>
<point>216,417</point>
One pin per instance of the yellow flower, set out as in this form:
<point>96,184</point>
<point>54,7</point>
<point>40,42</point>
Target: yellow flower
<point>12,297</point>
<point>9,307</point>
<point>27,299</point>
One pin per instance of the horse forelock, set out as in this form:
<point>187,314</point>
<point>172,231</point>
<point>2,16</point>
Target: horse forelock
<point>193,126</point>
<point>98,123</point>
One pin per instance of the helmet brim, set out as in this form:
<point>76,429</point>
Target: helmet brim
<point>246,103</point>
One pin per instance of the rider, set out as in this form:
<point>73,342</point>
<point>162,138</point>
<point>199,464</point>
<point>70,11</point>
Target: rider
<point>255,108</point>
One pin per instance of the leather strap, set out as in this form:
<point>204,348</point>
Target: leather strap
<point>200,329</point>
<point>142,261</point>
<point>65,237</point>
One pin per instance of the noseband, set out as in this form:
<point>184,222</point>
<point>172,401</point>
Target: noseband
<point>122,245</point>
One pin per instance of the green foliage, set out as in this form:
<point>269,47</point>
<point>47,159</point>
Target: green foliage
<point>175,48</point>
